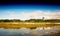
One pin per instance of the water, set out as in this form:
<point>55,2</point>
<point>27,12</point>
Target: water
<point>49,31</point>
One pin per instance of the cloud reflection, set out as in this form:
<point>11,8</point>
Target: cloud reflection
<point>29,32</point>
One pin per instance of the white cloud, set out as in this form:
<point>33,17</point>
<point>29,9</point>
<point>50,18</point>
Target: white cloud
<point>37,14</point>
<point>46,14</point>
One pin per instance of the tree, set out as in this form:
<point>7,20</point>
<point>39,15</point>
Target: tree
<point>42,18</point>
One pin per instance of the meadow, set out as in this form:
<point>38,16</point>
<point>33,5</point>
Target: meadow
<point>26,24</point>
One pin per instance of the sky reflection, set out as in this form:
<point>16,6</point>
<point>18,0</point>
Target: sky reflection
<point>29,32</point>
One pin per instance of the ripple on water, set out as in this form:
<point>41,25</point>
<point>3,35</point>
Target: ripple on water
<point>30,32</point>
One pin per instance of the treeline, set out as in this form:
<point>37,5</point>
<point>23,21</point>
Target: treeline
<point>34,20</point>
<point>53,20</point>
<point>41,20</point>
<point>13,20</point>
<point>30,20</point>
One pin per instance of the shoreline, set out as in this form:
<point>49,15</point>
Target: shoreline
<point>32,26</point>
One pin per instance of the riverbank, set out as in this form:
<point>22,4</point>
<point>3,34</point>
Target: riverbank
<point>21,25</point>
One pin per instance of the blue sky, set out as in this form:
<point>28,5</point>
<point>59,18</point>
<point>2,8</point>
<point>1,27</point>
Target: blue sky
<point>25,11</point>
<point>30,7</point>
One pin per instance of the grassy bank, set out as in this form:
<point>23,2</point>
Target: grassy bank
<point>26,24</point>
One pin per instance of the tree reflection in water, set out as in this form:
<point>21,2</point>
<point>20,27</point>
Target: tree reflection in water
<point>40,31</point>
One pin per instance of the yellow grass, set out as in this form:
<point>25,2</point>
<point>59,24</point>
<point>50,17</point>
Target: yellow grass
<point>26,24</point>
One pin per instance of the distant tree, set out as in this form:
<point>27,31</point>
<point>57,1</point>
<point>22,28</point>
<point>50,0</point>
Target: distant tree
<point>16,20</point>
<point>6,20</point>
<point>42,18</point>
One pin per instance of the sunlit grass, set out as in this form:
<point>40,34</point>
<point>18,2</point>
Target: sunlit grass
<point>26,24</point>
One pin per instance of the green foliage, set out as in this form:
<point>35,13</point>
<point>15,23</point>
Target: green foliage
<point>31,20</point>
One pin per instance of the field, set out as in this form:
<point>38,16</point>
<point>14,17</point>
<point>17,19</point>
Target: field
<point>27,24</point>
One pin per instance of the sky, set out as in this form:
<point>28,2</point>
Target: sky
<point>29,11</point>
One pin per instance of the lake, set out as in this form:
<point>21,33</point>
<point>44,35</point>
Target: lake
<point>39,31</point>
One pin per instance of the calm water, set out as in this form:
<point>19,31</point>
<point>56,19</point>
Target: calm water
<point>49,31</point>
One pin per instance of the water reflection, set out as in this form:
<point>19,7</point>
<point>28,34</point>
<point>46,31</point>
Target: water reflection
<point>40,31</point>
